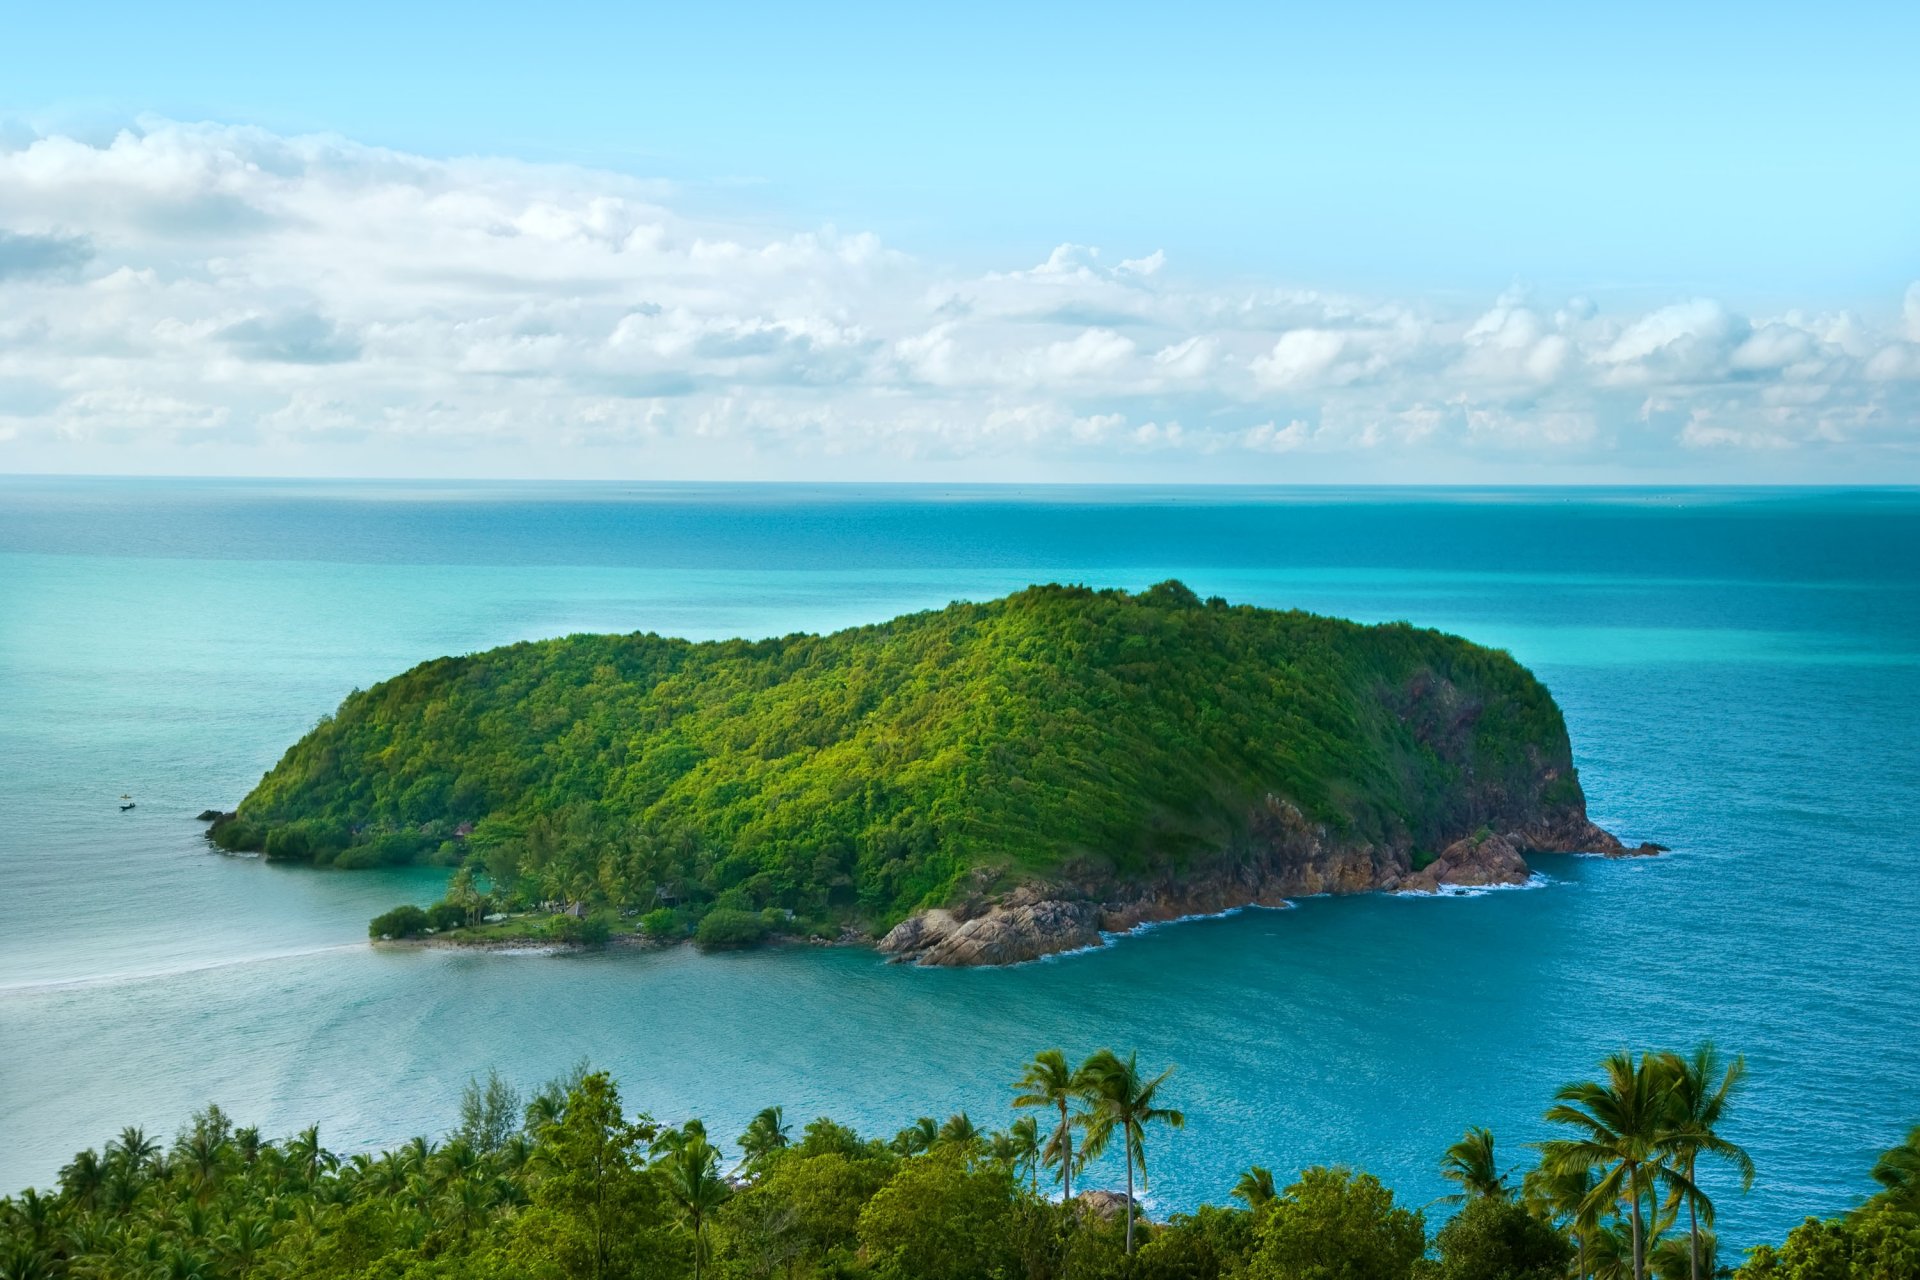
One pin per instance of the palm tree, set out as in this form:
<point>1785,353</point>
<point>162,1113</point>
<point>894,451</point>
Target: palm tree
<point>693,1180</point>
<point>1048,1081</point>
<point>1623,1125</point>
<point>1123,1103</point>
<point>1470,1163</point>
<point>1565,1196</point>
<point>82,1178</point>
<point>1898,1170</point>
<point>1255,1187</point>
<point>960,1130</point>
<point>134,1151</point>
<point>1023,1142</point>
<point>916,1137</point>
<point>1677,1259</point>
<point>1702,1085</point>
<point>766,1133</point>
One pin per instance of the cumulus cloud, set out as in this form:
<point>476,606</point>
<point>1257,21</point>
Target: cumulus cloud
<point>198,284</point>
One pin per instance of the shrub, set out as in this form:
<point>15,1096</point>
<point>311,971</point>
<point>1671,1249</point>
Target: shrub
<point>663,925</point>
<point>289,844</point>
<point>444,915</point>
<point>591,932</point>
<point>401,922</point>
<point>237,835</point>
<point>723,930</point>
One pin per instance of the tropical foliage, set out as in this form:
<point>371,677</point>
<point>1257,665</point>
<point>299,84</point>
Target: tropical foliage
<point>807,782</point>
<point>567,1185</point>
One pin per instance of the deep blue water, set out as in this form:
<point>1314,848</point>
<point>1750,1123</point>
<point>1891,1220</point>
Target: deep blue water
<point>1740,672</point>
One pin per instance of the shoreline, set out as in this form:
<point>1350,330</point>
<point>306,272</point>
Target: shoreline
<point>1103,939</point>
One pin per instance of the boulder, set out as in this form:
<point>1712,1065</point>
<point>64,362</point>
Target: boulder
<point>1473,862</point>
<point>1024,927</point>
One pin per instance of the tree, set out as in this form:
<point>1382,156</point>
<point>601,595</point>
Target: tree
<point>1123,1103</point>
<point>1878,1241</point>
<point>1701,1086</point>
<point>960,1130</point>
<point>489,1113</point>
<point>1623,1123</point>
<point>691,1168</point>
<point>1470,1163</point>
<point>766,1133</point>
<point>940,1218</point>
<point>1334,1224</point>
<point>916,1137</point>
<point>805,1205</point>
<point>594,1215</point>
<point>1048,1081</point>
<point>1565,1196</point>
<point>1019,1148</point>
<point>1255,1188</point>
<point>1208,1244</point>
<point>1494,1238</point>
<point>1898,1171</point>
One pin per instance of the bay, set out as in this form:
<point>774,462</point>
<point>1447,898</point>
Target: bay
<point>1740,672</point>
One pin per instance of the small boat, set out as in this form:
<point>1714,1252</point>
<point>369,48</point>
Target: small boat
<point>128,805</point>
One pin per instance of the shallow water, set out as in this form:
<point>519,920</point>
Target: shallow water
<point>1740,673</point>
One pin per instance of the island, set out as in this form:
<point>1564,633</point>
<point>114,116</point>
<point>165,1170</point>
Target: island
<point>982,784</point>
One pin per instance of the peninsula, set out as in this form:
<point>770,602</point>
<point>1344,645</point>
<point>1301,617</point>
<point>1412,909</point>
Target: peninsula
<point>981,784</point>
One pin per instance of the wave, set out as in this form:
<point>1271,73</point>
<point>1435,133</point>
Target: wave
<point>32,987</point>
<point>1538,880</point>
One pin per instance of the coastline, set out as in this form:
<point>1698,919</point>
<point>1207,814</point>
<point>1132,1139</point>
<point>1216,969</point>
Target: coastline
<point>1149,919</point>
<point>1295,859</point>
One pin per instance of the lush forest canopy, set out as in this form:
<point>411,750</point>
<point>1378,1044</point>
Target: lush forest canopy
<point>568,1185</point>
<point>860,775</point>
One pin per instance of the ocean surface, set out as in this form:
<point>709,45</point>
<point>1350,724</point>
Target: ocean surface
<point>1740,671</point>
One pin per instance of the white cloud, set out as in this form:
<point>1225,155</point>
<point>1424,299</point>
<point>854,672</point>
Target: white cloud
<point>311,298</point>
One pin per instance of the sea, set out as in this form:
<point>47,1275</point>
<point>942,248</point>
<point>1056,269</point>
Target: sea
<point>1740,673</point>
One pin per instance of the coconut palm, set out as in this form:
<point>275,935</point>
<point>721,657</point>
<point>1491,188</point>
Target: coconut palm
<point>960,1130</point>
<point>1023,1144</point>
<point>692,1175</point>
<point>1623,1123</point>
<point>1123,1103</point>
<point>1676,1257</point>
<point>1898,1170</point>
<point>1048,1081</point>
<point>1565,1197</point>
<point>916,1137</point>
<point>1255,1187</point>
<point>1470,1163</point>
<point>1702,1085</point>
<point>766,1133</point>
<point>134,1151</point>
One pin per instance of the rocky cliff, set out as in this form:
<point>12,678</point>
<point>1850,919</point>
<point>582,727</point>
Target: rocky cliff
<point>1285,857</point>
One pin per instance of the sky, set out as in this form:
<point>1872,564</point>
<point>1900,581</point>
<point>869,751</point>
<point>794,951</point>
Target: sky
<point>1270,243</point>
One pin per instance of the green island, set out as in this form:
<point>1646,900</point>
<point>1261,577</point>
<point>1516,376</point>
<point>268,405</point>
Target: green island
<point>567,1185</point>
<point>980,784</point>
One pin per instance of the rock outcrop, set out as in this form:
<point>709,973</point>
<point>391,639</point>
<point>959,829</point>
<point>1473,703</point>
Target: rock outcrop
<point>1284,857</point>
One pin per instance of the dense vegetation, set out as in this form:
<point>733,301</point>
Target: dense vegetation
<point>568,1186</point>
<point>807,782</point>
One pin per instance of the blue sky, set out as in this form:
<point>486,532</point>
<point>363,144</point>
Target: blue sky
<point>1628,159</point>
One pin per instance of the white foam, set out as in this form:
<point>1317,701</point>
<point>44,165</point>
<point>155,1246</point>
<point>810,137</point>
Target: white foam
<point>1538,880</point>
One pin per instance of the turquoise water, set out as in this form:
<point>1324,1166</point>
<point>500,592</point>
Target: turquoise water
<point>1740,673</point>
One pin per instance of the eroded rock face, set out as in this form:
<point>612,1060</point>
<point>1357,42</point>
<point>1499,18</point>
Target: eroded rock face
<point>1005,933</point>
<point>1473,862</point>
<point>1286,857</point>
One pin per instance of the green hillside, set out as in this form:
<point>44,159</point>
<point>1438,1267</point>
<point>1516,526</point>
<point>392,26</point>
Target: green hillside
<point>1059,731</point>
